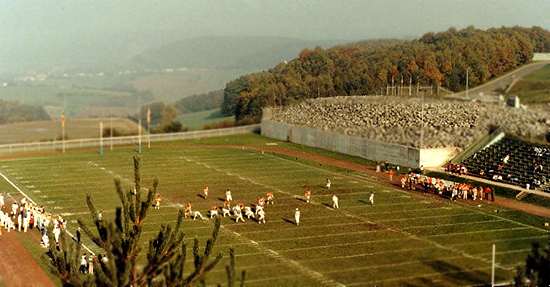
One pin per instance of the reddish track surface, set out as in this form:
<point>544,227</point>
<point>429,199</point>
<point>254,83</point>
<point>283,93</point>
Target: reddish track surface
<point>17,266</point>
<point>500,201</point>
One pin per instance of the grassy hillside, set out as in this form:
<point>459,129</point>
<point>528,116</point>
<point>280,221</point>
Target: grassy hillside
<point>197,120</point>
<point>51,129</point>
<point>164,86</point>
<point>78,101</point>
<point>200,102</point>
<point>535,88</point>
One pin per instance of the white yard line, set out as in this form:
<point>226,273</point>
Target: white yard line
<point>407,278</point>
<point>408,234</point>
<point>319,277</point>
<point>310,273</point>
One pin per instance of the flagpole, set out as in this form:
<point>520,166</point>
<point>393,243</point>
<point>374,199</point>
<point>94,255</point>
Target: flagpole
<point>139,136</point>
<point>63,124</point>
<point>100,138</point>
<point>111,132</point>
<point>149,127</point>
<point>63,131</point>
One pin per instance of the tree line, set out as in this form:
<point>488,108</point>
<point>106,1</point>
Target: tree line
<point>11,112</point>
<point>200,102</point>
<point>438,59</point>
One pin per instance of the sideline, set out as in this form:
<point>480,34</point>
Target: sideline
<point>33,202</point>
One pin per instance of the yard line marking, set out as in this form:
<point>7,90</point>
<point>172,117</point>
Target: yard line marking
<point>319,277</point>
<point>418,261</point>
<point>302,227</point>
<point>503,240</point>
<point>325,281</point>
<point>366,180</point>
<point>33,202</point>
<point>406,278</point>
<point>452,224</point>
<point>408,234</point>
<point>478,231</point>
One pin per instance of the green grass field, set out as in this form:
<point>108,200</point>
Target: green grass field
<point>196,121</point>
<point>404,239</point>
<point>535,88</point>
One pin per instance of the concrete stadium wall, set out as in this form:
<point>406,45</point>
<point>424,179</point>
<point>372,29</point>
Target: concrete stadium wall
<point>352,145</point>
<point>356,146</point>
<point>541,57</point>
<point>127,140</point>
<point>435,157</point>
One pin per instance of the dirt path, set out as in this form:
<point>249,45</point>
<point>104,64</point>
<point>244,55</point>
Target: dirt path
<point>17,266</point>
<point>384,178</point>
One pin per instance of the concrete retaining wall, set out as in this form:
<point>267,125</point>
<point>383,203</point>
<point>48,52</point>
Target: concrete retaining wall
<point>357,146</point>
<point>352,145</point>
<point>539,57</point>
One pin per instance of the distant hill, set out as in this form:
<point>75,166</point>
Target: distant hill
<point>224,52</point>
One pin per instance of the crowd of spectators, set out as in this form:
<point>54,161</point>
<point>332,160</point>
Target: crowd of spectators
<point>445,188</point>
<point>512,161</point>
<point>442,123</point>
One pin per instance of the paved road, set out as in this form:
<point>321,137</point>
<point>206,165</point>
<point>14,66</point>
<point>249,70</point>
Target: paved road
<point>502,82</point>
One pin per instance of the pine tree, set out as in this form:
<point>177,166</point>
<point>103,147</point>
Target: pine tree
<point>119,241</point>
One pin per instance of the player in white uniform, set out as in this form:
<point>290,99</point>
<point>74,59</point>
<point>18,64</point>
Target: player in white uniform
<point>238,214</point>
<point>228,196</point>
<point>335,202</point>
<point>197,214</point>
<point>14,208</point>
<point>248,212</point>
<point>328,184</point>
<point>261,217</point>
<point>214,212</point>
<point>297,217</point>
<point>371,198</point>
<point>205,192</point>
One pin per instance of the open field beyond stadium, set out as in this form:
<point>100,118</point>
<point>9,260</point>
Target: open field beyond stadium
<point>404,239</point>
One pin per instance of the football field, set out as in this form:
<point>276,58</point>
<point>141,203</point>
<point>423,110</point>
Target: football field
<point>405,238</point>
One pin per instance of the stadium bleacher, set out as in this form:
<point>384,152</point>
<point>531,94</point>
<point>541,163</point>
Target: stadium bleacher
<point>513,161</point>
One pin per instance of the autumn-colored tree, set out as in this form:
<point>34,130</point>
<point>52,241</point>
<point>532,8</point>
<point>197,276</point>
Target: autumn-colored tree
<point>368,67</point>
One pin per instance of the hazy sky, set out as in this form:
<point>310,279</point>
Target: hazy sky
<point>45,31</point>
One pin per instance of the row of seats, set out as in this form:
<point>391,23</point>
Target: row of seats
<point>513,161</point>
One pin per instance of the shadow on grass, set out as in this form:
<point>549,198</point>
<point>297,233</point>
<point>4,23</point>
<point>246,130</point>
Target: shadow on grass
<point>457,274</point>
<point>364,201</point>
<point>288,220</point>
<point>327,205</point>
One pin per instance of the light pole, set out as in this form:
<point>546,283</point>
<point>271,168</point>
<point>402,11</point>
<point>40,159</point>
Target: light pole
<point>467,82</point>
<point>63,125</point>
<point>101,138</point>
